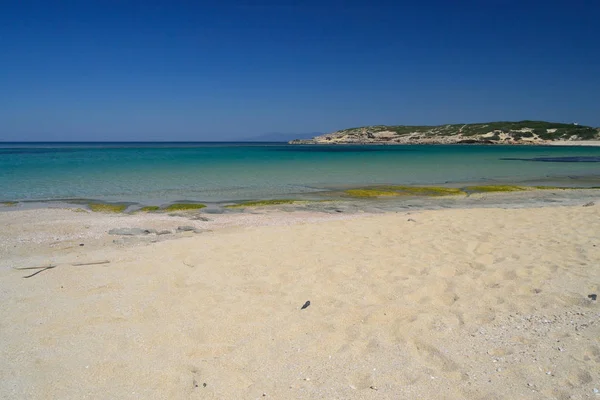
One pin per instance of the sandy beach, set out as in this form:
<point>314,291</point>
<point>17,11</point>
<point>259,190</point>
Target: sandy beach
<point>479,303</point>
<point>575,143</point>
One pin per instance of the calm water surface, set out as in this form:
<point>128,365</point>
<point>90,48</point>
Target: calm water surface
<point>155,173</point>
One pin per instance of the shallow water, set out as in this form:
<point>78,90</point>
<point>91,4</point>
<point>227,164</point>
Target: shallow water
<point>156,173</point>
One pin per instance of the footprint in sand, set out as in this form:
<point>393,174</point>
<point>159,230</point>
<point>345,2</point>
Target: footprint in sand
<point>436,359</point>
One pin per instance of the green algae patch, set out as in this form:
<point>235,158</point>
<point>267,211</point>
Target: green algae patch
<point>9,203</point>
<point>149,209</point>
<point>107,208</point>
<point>495,188</point>
<point>367,193</point>
<point>424,190</point>
<point>261,203</point>
<point>184,207</point>
<point>395,190</point>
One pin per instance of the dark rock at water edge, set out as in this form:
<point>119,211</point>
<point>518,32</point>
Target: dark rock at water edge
<point>131,231</point>
<point>199,218</point>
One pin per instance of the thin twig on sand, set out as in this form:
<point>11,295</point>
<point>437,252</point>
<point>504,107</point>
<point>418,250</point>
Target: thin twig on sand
<point>45,267</point>
<point>40,267</point>
<point>77,264</point>
<point>41,270</point>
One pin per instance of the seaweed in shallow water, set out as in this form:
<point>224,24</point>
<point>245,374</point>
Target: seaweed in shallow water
<point>397,190</point>
<point>107,208</point>
<point>184,206</point>
<point>149,208</point>
<point>495,188</point>
<point>259,203</point>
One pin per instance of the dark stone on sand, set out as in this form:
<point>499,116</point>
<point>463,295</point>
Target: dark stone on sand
<point>306,305</point>
<point>214,211</point>
<point>592,296</point>
<point>591,203</point>
<point>81,244</point>
<point>131,231</point>
<point>200,218</point>
<point>127,231</point>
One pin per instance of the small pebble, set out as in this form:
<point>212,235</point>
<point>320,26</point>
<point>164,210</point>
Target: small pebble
<point>549,373</point>
<point>307,379</point>
<point>374,387</point>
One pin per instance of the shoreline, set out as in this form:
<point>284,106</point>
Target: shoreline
<point>42,231</point>
<point>344,194</point>
<point>575,143</point>
<point>310,142</point>
<point>457,303</point>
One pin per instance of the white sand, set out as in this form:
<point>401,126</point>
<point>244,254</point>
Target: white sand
<point>477,304</point>
<point>575,143</point>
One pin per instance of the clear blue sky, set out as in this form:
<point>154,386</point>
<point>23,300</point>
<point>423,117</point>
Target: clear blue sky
<point>223,70</point>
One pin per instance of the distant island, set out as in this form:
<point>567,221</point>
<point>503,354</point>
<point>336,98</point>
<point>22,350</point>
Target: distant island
<point>521,132</point>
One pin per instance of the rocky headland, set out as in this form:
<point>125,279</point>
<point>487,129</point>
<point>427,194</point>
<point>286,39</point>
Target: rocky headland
<point>522,132</point>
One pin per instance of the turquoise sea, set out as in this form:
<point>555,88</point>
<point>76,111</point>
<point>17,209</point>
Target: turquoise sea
<point>158,173</point>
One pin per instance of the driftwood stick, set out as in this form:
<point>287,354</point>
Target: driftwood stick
<point>77,264</point>
<point>41,270</point>
<point>45,267</point>
<point>40,267</point>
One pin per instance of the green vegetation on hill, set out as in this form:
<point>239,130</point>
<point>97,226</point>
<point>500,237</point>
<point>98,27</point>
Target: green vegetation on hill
<point>492,131</point>
<point>540,128</point>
